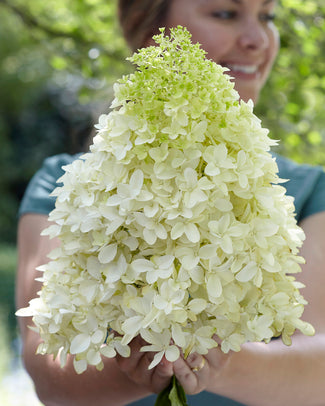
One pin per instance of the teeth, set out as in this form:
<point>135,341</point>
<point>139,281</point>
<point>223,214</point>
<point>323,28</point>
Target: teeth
<point>241,68</point>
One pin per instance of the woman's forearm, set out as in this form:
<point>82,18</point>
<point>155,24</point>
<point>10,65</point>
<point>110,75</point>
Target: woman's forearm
<point>275,374</point>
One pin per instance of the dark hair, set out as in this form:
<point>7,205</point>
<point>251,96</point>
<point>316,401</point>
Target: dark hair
<point>141,19</point>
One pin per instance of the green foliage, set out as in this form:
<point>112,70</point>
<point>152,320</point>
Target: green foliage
<point>50,57</point>
<point>58,60</point>
<point>7,303</point>
<point>293,100</point>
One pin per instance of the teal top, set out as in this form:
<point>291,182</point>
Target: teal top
<point>306,184</point>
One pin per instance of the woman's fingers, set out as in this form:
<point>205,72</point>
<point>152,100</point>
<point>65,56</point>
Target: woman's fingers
<point>161,376</point>
<point>193,374</point>
<point>130,364</point>
<point>136,367</point>
<point>218,360</point>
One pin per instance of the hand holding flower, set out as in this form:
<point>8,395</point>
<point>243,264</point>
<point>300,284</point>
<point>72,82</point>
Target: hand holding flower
<point>136,368</point>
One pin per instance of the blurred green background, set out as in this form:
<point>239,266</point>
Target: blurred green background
<point>58,60</point>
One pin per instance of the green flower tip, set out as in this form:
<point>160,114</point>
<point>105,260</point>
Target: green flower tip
<point>173,45</point>
<point>175,54</point>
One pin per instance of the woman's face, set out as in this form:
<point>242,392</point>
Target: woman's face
<point>237,34</point>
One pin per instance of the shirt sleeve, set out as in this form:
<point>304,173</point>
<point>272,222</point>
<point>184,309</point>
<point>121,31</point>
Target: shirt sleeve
<point>306,184</point>
<point>316,201</point>
<point>37,197</point>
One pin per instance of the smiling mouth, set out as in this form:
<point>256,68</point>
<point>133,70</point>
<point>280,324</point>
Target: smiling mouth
<point>246,69</point>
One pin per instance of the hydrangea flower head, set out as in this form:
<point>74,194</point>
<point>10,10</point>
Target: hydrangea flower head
<point>174,226</point>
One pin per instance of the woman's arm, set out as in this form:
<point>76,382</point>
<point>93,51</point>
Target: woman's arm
<point>56,386</point>
<point>274,374</point>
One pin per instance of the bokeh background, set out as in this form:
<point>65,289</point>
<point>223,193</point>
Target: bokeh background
<point>58,60</point>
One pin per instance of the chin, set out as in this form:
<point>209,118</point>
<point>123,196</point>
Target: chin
<point>248,95</point>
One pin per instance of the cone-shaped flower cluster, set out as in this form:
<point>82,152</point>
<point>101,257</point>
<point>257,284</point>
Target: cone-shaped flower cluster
<point>174,226</point>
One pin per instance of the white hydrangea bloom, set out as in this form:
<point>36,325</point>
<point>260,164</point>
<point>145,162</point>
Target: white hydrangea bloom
<point>174,226</point>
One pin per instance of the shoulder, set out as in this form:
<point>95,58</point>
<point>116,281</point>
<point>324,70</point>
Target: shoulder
<point>37,197</point>
<point>305,183</point>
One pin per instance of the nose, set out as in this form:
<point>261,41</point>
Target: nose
<point>253,35</point>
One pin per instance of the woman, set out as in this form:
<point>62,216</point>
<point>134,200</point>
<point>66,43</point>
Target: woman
<point>239,34</point>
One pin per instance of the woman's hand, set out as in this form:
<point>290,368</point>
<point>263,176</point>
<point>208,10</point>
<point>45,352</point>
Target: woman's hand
<point>136,368</point>
<point>197,372</point>
<point>194,373</point>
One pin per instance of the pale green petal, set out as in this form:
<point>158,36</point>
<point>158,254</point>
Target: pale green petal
<point>80,366</point>
<point>197,305</point>
<point>223,205</point>
<point>108,351</point>
<point>248,272</point>
<point>93,357</point>
<point>214,285</point>
<point>197,274</point>
<point>123,350</point>
<point>177,231</point>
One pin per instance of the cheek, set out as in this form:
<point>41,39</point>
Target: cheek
<point>274,43</point>
<point>214,41</point>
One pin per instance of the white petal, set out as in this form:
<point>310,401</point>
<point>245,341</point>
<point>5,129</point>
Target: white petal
<point>226,244</point>
<point>197,274</point>
<point>192,232</point>
<point>123,350</point>
<point>207,251</point>
<point>164,261</point>
<point>132,325</point>
<point>98,337</point>
<point>156,359</point>
<point>177,231</point>
<point>178,336</point>
<point>93,357</point>
<point>80,366</point>
<point>152,276</point>
<point>25,312</point>
<point>114,200</point>
<point>108,351</point>
<point>94,267</point>
<point>107,253</point>
<point>136,181</point>
<point>142,265</point>
<point>172,353</point>
<point>189,262</point>
<point>149,236</point>
<point>160,302</point>
<point>80,343</point>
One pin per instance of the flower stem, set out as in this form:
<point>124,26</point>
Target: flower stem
<point>172,395</point>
